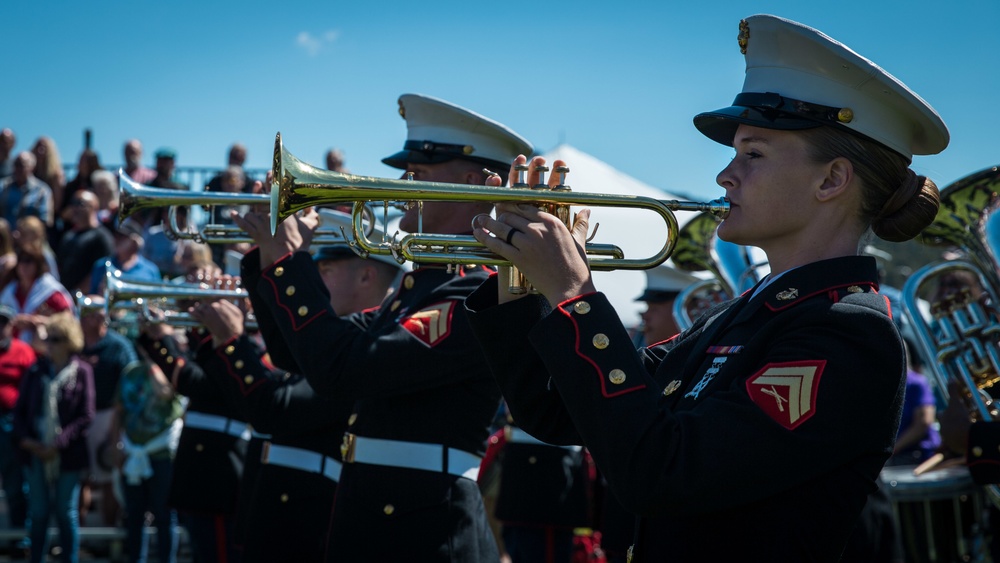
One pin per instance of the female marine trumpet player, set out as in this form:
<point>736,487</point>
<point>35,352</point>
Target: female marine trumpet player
<point>757,434</point>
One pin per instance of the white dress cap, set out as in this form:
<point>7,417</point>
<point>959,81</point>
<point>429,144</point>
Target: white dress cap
<point>664,282</point>
<point>439,131</point>
<point>799,78</point>
<point>334,220</point>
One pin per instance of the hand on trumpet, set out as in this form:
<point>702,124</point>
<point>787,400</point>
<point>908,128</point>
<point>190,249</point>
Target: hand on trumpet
<point>550,255</point>
<point>223,319</point>
<point>292,235</point>
<point>153,323</point>
<point>262,188</point>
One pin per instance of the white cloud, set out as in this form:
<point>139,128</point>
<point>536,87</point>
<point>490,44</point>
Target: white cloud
<point>312,44</point>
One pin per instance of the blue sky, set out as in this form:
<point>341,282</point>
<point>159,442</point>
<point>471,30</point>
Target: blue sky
<point>620,81</point>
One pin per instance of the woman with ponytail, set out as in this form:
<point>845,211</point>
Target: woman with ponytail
<point>758,433</point>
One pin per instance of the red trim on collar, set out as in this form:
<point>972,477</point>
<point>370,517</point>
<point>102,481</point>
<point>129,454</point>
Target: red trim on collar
<point>767,301</point>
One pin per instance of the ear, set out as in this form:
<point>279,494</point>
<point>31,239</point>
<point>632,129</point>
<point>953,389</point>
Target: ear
<point>366,274</point>
<point>839,177</point>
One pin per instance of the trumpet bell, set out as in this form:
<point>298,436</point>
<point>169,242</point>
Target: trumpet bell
<point>134,197</point>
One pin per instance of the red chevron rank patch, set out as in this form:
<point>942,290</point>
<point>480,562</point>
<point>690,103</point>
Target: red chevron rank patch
<point>431,324</point>
<point>787,391</point>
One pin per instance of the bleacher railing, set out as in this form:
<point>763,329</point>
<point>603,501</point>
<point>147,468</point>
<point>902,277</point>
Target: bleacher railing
<point>195,177</point>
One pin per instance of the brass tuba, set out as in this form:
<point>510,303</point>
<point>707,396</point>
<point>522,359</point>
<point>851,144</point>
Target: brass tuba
<point>957,328</point>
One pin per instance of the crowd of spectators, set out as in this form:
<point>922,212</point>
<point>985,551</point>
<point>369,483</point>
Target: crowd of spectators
<point>83,413</point>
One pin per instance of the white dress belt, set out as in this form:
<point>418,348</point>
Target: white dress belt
<point>216,423</point>
<point>412,455</point>
<point>301,459</point>
<point>515,435</point>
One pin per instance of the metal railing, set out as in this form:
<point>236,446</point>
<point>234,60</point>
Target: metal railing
<point>195,177</point>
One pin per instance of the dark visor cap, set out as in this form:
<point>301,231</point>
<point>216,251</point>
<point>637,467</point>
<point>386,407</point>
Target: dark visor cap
<point>424,152</point>
<point>657,296</point>
<point>334,252</point>
<point>766,110</point>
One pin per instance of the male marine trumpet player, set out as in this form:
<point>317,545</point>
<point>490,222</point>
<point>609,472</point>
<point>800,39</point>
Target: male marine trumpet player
<point>423,397</point>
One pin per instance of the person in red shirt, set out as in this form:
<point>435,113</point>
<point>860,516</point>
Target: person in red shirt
<point>15,359</point>
<point>33,293</point>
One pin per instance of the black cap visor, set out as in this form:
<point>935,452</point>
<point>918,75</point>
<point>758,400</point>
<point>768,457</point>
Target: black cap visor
<point>657,296</point>
<point>426,152</point>
<point>766,110</point>
<point>334,252</point>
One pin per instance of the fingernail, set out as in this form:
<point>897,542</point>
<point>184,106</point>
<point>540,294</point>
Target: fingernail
<point>479,221</point>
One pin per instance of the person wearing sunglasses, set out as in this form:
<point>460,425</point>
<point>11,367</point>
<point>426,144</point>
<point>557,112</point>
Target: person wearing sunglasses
<point>51,417</point>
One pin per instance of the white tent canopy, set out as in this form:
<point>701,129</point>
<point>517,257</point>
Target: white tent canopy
<point>640,233</point>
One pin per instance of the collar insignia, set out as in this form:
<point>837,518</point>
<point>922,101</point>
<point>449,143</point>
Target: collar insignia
<point>855,289</point>
<point>671,387</point>
<point>788,294</point>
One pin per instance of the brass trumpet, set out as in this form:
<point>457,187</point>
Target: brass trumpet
<point>137,197</point>
<point>143,297</point>
<point>298,185</point>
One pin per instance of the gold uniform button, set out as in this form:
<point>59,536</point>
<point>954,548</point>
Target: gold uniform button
<point>163,351</point>
<point>389,509</point>
<point>170,359</point>
<point>581,307</point>
<point>279,271</point>
<point>408,282</point>
<point>601,341</point>
<point>395,305</point>
<point>230,349</point>
<point>352,419</point>
<point>303,311</point>
<point>239,364</point>
<point>977,451</point>
<point>290,290</point>
<point>532,460</point>
<point>617,376</point>
<point>248,379</point>
<point>199,447</point>
<point>284,497</point>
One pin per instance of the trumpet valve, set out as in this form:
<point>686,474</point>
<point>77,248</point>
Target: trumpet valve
<point>562,171</point>
<point>541,185</point>
<point>522,176</point>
